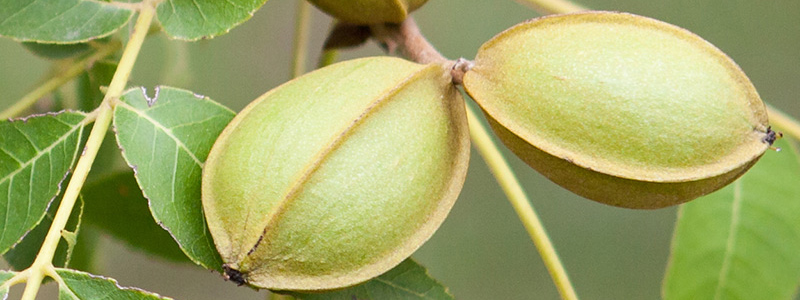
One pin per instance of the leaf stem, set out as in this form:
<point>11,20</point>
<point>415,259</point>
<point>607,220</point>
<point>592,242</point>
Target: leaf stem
<point>43,265</point>
<point>75,69</point>
<point>552,6</point>
<point>519,200</point>
<point>177,72</point>
<point>301,33</point>
<point>328,57</point>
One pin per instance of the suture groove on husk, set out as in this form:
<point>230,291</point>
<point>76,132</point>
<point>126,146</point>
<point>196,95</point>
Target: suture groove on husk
<point>337,176</point>
<point>620,108</point>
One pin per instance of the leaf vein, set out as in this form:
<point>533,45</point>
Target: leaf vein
<point>172,189</point>
<point>28,138</point>
<point>235,5</point>
<point>7,210</point>
<point>89,21</point>
<point>56,17</point>
<point>44,151</point>
<point>200,10</point>
<point>17,12</point>
<point>198,122</point>
<point>19,161</point>
<point>401,288</point>
<point>166,130</point>
<point>30,193</point>
<point>729,246</point>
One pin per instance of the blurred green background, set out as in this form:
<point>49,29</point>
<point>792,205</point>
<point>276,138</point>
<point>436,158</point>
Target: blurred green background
<point>482,250</point>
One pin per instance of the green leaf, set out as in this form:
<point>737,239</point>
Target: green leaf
<point>56,51</point>
<point>5,276</point>
<point>166,143</point>
<point>742,242</point>
<point>70,233</point>
<point>408,280</point>
<point>83,256</point>
<point>89,84</point>
<point>115,205</point>
<point>196,19</point>
<point>24,253</point>
<point>60,21</point>
<point>80,285</point>
<point>35,155</point>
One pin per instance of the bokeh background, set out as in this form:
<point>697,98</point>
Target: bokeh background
<point>482,250</point>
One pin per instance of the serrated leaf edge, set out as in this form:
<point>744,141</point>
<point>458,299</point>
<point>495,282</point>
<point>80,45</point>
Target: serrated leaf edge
<point>100,277</point>
<point>212,35</point>
<point>182,146</point>
<point>4,286</point>
<point>71,237</point>
<point>426,273</point>
<point>102,35</point>
<point>169,133</point>
<point>69,170</point>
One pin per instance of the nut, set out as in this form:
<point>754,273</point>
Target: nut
<point>337,176</point>
<point>619,108</point>
<point>369,11</point>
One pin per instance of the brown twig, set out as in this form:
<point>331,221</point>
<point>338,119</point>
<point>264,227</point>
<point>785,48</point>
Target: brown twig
<point>406,39</point>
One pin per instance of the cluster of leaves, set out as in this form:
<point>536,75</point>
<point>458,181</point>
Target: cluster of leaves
<point>741,242</point>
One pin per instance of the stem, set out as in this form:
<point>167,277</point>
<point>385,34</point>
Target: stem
<point>301,33</point>
<point>177,72</point>
<point>783,121</point>
<point>276,296</point>
<point>407,39</point>
<point>43,265</point>
<point>76,68</point>
<point>552,6</point>
<point>516,195</point>
<point>328,57</point>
